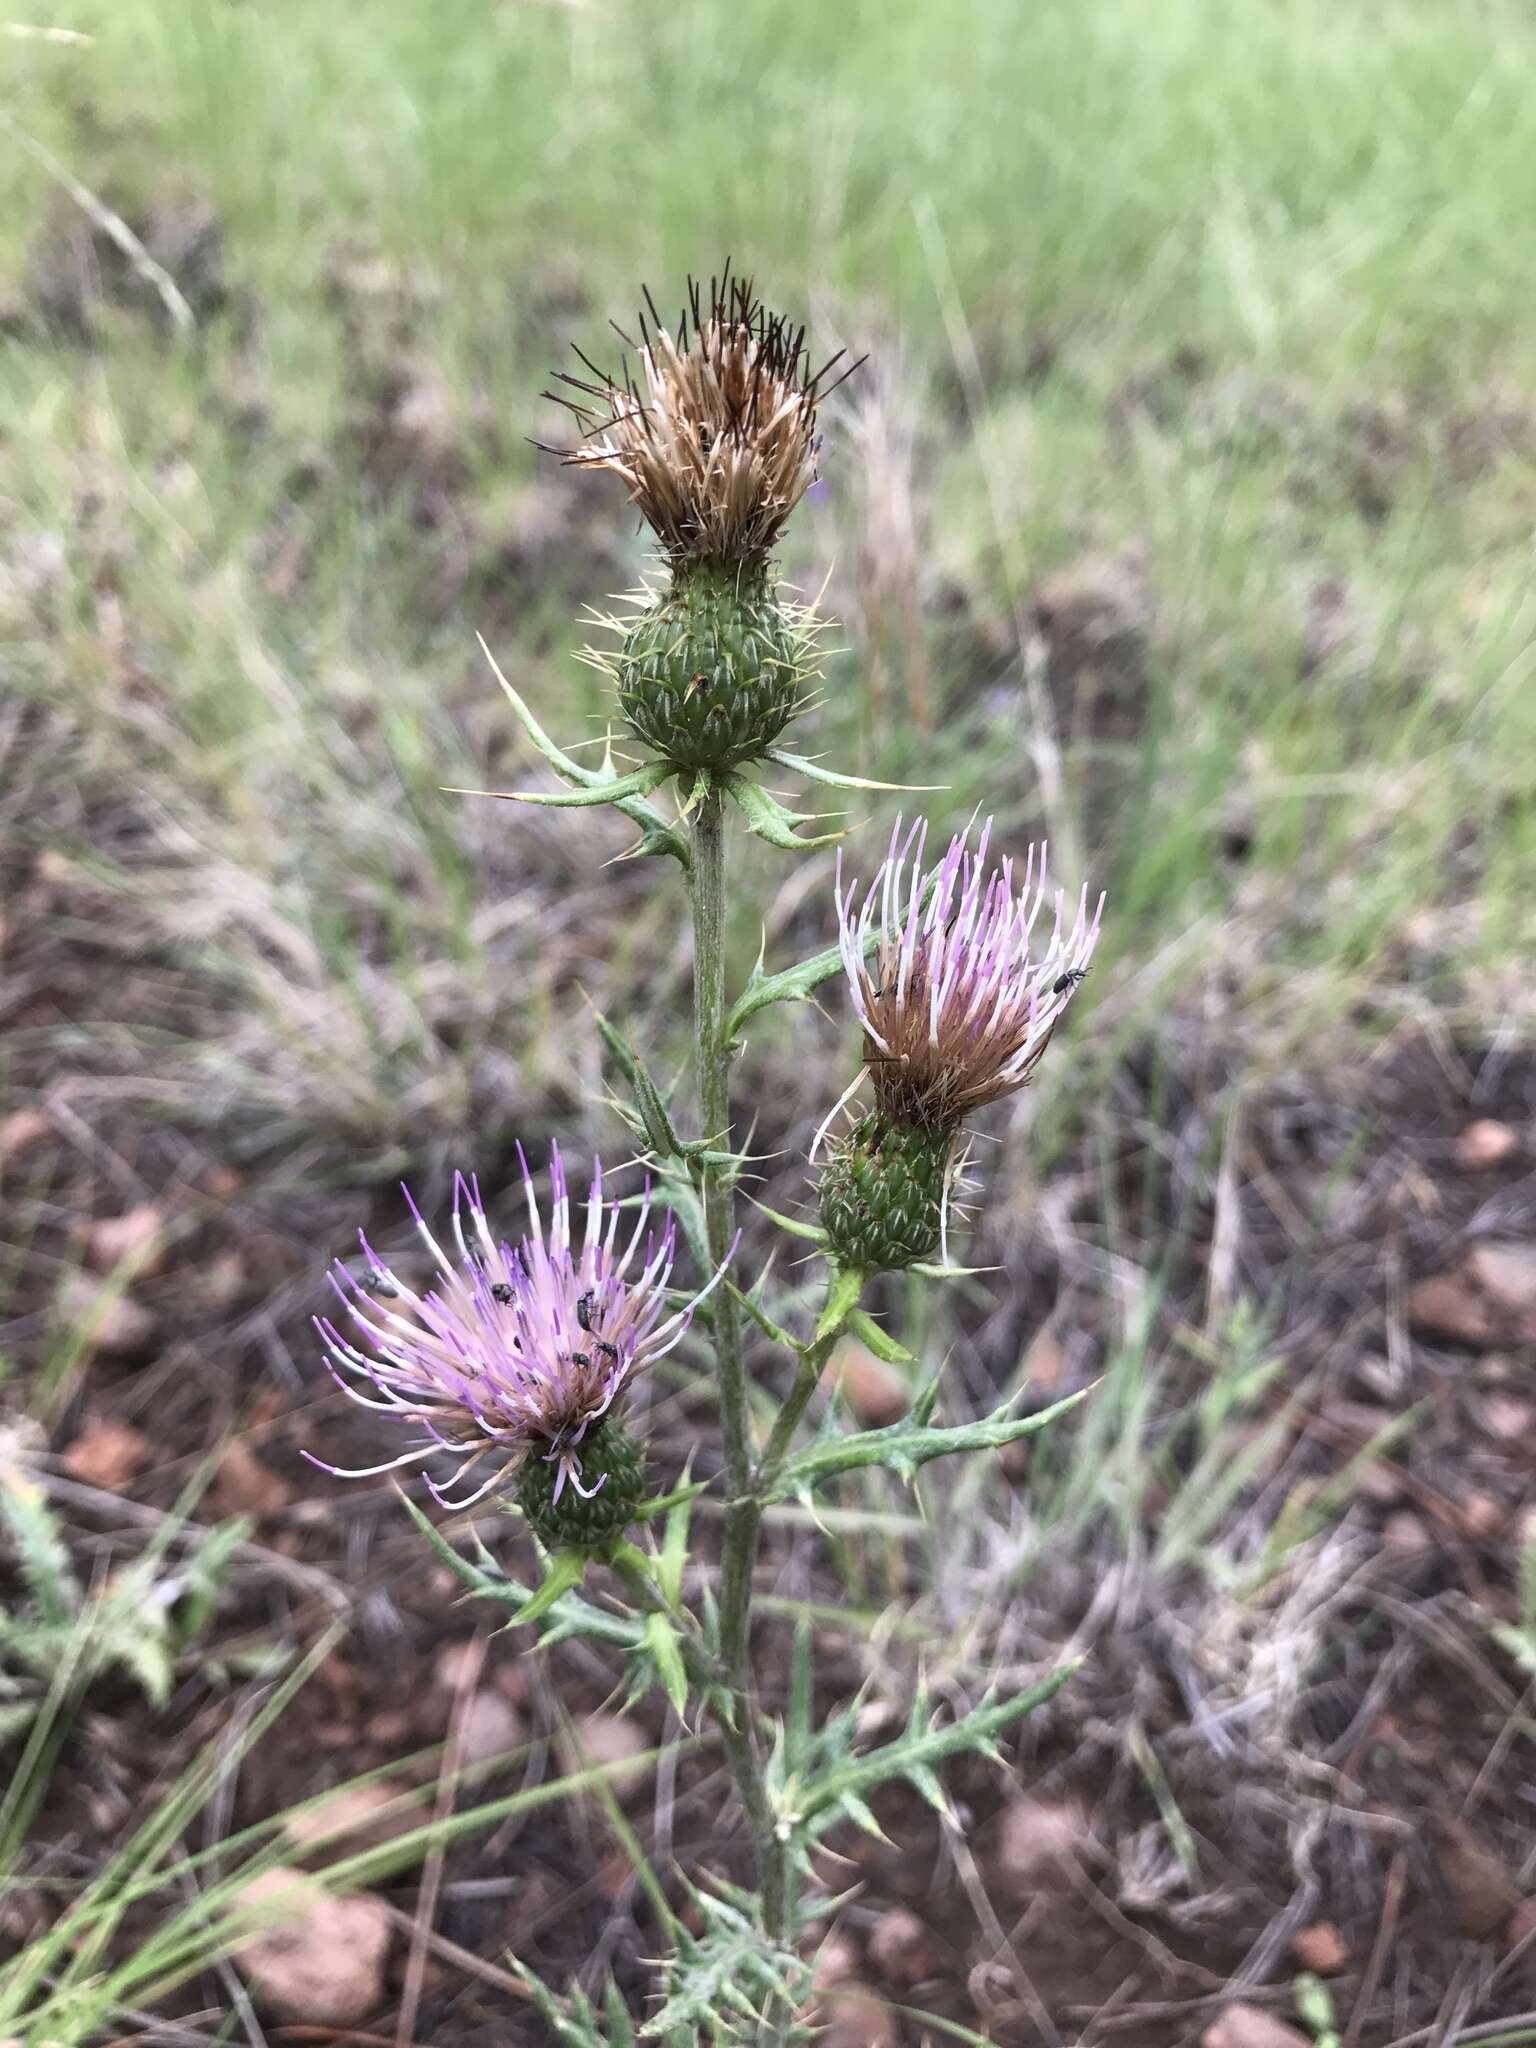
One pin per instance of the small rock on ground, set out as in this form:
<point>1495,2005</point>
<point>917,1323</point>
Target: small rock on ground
<point>316,1958</point>
<point>1039,1840</point>
<point>1247,2026</point>
<point>355,1817</point>
<point>491,1727</point>
<point>853,2016</point>
<point>603,1738</point>
<point>1484,1144</point>
<point>107,1454</point>
<point>1320,1947</point>
<point>900,1949</point>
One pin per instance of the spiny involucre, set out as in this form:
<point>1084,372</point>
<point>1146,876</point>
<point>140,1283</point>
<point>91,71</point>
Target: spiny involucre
<point>513,1353</point>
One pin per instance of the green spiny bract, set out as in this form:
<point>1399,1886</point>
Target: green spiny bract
<point>609,1454</point>
<point>882,1194</point>
<point>711,674</point>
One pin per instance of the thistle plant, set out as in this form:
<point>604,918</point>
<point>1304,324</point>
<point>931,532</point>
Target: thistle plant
<point>509,1362</point>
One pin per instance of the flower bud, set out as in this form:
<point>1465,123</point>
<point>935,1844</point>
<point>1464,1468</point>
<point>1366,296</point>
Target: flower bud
<point>958,998</point>
<point>882,1193</point>
<point>613,1467</point>
<point>710,674</point>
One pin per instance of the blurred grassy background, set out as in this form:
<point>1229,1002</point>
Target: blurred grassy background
<point>1206,327</point>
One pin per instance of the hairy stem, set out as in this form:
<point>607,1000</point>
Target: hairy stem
<point>812,1363</point>
<point>717,1190</point>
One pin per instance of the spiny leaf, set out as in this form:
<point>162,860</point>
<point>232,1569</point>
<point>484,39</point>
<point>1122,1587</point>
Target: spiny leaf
<point>842,1298</point>
<point>811,1232</point>
<point>926,1401</point>
<point>665,1651</point>
<point>639,782</point>
<point>571,1616</point>
<point>649,1100</point>
<point>674,1548</point>
<point>567,2029</point>
<point>789,985</point>
<point>817,773</point>
<point>144,1652</point>
<point>732,1958</point>
<point>764,816</point>
<point>858,1811</point>
<point>774,1332</point>
<point>621,2030</point>
<point>656,835</point>
<point>648,1510</point>
<point>205,1573</point>
<point>926,1782</point>
<point>566,1569</point>
<point>861,1324</point>
<point>911,1752</point>
<point>795,984</point>
<point>908,1445</point>
<point>40,1552</point>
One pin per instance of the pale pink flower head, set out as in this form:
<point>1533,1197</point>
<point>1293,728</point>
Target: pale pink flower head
<point>959,974</point>
<point>511,1351</point>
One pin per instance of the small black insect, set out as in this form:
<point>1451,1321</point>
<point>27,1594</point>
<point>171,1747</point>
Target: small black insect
<point>501,1293</point>
<point>383,1284</point>
<point>584,1317</point>
<point>1070,979</point>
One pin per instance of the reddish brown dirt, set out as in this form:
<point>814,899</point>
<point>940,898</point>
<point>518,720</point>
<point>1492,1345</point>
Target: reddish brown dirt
<point>1399,1744</point>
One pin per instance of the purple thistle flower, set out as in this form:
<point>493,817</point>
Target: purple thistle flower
<point>957,999</point>
<point>514,1351</point>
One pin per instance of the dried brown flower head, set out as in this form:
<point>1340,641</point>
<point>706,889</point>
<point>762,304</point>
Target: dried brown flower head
<point>715,434</point>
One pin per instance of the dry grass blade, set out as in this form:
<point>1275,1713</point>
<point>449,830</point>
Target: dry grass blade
<point>111,224</point>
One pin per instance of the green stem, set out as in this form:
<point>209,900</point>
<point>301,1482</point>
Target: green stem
<point>717,1191</point>
<point>743,1505</point>
<point>813,1362</point>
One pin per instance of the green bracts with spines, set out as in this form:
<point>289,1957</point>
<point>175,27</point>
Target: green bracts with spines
<point>710,675</point>
<point>882,1194</point>
<point>609,1453</point>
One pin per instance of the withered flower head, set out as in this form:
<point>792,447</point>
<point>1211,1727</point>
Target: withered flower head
<point>714,433</point>
<point>514,1352</point>
<point>957,1000</point>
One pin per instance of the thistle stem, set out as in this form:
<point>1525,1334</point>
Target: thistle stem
<point>812,1364</point>
<point>717,1190</point>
